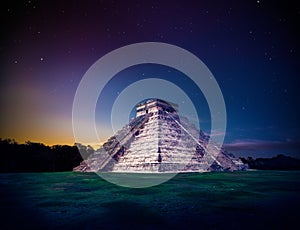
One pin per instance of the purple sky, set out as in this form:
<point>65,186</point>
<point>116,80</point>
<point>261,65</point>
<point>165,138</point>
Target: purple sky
<point>251,47</point>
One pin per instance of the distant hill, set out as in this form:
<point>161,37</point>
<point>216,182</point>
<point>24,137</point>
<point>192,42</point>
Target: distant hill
<point>280,162</point>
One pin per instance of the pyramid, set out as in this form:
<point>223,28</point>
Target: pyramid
<point>159,140</point>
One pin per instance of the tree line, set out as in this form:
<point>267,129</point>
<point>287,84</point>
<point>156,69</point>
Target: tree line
<point>38,157</point>
<point>279,162</point>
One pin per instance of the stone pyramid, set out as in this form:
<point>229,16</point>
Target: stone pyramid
<point>159,140</point>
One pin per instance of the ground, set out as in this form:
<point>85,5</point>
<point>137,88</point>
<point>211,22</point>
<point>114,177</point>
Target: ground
<point>219,200</point>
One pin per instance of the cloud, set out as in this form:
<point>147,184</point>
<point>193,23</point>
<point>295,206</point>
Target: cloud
<point>254,145</point>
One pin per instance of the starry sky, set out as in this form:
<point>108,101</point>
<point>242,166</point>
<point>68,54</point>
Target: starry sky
<point>251,47</point>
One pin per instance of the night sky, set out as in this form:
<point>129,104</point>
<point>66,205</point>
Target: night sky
<point>251,47</point>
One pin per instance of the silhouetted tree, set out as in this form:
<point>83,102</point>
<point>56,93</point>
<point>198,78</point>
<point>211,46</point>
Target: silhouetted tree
<point>37,157</point>
<point>280,162</point>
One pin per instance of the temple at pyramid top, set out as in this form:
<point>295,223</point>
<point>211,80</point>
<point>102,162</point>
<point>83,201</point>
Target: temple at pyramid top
<point>155,106</point>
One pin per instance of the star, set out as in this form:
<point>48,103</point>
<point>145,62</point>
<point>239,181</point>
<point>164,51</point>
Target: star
<point>42,59</point>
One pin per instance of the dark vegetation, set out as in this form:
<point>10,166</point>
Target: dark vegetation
<point>37,157</point>
<point>280,162</point>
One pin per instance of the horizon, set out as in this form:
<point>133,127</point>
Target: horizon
<point>95,146</point>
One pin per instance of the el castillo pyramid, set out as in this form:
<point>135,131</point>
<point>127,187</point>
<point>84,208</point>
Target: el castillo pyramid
<point>159,140</point>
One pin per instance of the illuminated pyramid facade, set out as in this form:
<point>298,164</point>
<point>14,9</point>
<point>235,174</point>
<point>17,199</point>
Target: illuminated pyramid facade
<point>158,140</point>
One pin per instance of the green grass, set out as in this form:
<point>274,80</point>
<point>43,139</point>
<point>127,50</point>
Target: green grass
<point>70,200</point>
